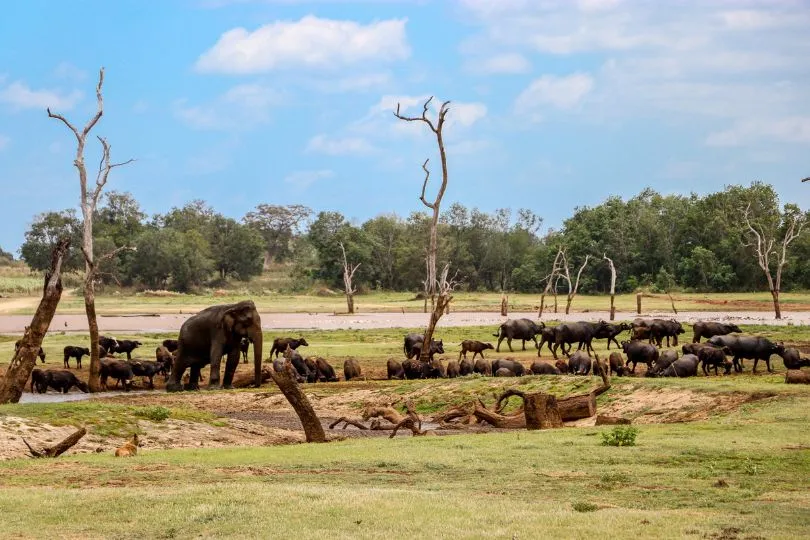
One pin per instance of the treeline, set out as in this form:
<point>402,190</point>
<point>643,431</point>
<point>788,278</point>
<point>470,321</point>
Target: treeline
<point>661,242</point>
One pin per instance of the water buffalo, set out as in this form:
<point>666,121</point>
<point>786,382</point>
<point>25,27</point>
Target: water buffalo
<point>465,367</point>
<point>476,347</point>
<point>793,359</point>
<point>710,329</point>
<point>453,370</point>
<point>638,351</point>
<point>562,365</point>
<point>416,369</point>
<point>304,371</point>
<point>244,345</point>
<point>62,381</point>
<point>616,361</point>
<point>351,369</point>
<point>109,343</point>
<point>483,367</point>
<point>39,379</point>
<point>522,329</point>
<point>71,351</point>
<point>395,370</point>
<point>413,346</point>
<point>146,369</point>
<point>40,352</point>
<point>662,328</point>
<point>312,376</point>
<point>124,346</point>
<point>280,345</point>
<point>503,372</point>
<point>581,333</point>
<point>713,357</point>
<point>171,344</point>
<point>743,347</point>
<point>610,331</point>
<point>685,366</point>
<point>512,365</point>
<point>544,368</point>
<point>117,369</point>
<point>547,336</point>
<point>665,359</point>
<point>579,363</point>
<point>325,371</point>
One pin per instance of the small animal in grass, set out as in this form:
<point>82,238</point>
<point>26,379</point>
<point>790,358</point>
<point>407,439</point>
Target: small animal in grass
<point>129,449</point>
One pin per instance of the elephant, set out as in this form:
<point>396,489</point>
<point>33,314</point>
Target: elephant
<point>212,333</point>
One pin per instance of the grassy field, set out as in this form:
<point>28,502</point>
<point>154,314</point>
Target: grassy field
<point>111,304</point>
<point>742,475</point>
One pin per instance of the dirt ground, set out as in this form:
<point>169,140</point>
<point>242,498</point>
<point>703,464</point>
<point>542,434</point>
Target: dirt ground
<point>15,324</point>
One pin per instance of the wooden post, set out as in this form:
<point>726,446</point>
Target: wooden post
<point>638,303</point>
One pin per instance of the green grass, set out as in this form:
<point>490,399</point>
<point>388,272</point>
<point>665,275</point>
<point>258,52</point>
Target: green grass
<point>556,483</point>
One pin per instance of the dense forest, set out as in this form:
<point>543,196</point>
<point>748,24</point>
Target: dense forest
<point>660,242</point>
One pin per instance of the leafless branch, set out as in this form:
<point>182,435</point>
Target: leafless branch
<point>424,185</point>
<point>423,118</point>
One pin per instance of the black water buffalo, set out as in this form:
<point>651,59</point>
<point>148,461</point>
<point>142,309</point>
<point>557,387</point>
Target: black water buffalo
<point>453,370</point>
<point>147,369</point>
<point>665,328</point>
<point>325,371</point>
<point>413,346</point>
<point>685,366</point>
<point>244,345</point>
<point>117,369</point>
<point>39,380</point>
<point>610,332</point>
<point>109,343</point>
<point>544,368</point>
<point>547,337</point>
<point>665,359</point>
<point>165,358</point>
<point>503,372</point>
<point>581,333</point>
<point>579,363</point>
<point>71,351</point>
<point>483,367</point>
<point>304,371</point>
<point>713,357</point>
<point>126,346</point>
<point>394,369</point>
<point>465,367</point>
<point>170,344</point>
<point>704,329</point>
<point>313,369</point>
<point>522,329</point>
<point>351,369</point>
<point>476,347</point>
<point>62,381</point>
<point>280,345</point>
<point>743,347</point>
<point>616,361</point>
<point>512,365</point>
<point>416,369</point>
<point>562,365</point>
<point>40,352</point>
<point>793,359</point>
<point>639,352</point>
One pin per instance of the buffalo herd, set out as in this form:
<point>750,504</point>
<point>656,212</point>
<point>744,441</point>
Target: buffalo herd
<point>725,348</point>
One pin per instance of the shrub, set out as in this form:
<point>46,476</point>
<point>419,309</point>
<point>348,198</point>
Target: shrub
<point>584,507</point>
<point>154,413</point>
<point>620,436</point>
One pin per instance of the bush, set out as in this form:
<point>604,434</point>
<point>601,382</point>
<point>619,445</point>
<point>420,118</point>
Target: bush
<point>584,507</point>
<point>620,436</point>
<point>154,413</point>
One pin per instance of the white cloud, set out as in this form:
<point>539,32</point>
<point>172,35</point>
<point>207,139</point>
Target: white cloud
<point>310,42</point>
<point>339,146</point>
<point>241,107</point>
<point>551,90</point>
<point>4,142</point>
<point>751,19</point>
<point>466,114</point>
<point>353,83</point>
<point>67,71</point>
<point>792,129</point>
<point>304,179</point>
<point>20,96</point>
<point>506,63</point>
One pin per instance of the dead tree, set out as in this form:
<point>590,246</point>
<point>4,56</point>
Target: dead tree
<point>59,448</point>
<point>612,286</point>
<point>551,281</point>
<point>25,358</point>
<point>573,286</point>
<point>770,250</point>
<point>89,200</point>
<point>348,275</point>
<point>285,380</point>
<point>504,304</point>
<point>439,291</point>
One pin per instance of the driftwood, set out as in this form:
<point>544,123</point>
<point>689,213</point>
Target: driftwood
<point>57,449</point>
<point>797,376</point>
<point>411,421</point>
<point>348,422</point>
<point>501,421</point>
<point>396,421</point>
<point>313,430</point>
<point>388,413</point>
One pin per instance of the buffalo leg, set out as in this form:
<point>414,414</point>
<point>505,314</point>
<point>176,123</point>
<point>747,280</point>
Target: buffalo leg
<point>536,346</point>
<point>524,344</point>
<point>498,348</point>
<point>509,342</point>
<point>768,363</point>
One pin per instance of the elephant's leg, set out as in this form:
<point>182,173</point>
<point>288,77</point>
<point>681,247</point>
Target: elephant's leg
<point>193,377</point>
<point>230,368</point>
<point>216,360</point>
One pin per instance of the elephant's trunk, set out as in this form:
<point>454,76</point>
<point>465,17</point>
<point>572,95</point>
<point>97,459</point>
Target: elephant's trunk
<point>255,336</point>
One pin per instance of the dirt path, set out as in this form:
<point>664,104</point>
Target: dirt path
<point>15,324</point>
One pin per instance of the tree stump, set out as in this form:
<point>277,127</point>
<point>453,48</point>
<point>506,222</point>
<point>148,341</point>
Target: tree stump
<point>313,430</point>
<point>797,376</point>
<point>577,407</point>
<point>540,410</point>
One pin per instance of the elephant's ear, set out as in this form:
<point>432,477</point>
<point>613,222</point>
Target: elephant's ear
<point>228,321</point>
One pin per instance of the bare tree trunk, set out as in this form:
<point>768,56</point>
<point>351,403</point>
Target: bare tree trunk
<point>777,307</point>
<point>638,303</point>
<point>572,288</point>
<point>612,286</point>
<point>59,448</point>
<point>505,305</point>
<point>19,370</point>
<point>313,430</point>
<point>348,276</point>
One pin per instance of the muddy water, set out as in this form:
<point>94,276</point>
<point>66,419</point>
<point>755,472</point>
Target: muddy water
<point>53,397</point>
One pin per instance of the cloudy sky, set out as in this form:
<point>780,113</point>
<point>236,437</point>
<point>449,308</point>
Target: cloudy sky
<point>554,104</point>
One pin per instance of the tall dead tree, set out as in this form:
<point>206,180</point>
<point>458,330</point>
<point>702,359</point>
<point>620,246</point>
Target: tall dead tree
<point>89,201</point>
<point>348,275</point>
<point>551,281</point>
<point>573,286</point>
<point>612,286</point>
<point>438,287</point>
<point>13,383</point>
<point>772,252</point>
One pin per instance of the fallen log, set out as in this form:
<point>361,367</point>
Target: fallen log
<point>797,376</point>
<point>59,448</point>
<point>498,420</point>
<point>577,407</point>
<point>246,380</point>
<point>348,422</point>
<point>605,420</point>
<point>411,421</point>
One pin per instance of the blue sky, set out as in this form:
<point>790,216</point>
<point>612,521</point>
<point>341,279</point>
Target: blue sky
<point>555,104</point>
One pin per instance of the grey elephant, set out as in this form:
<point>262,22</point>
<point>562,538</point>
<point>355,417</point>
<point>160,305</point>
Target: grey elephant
<point>210,334</point>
